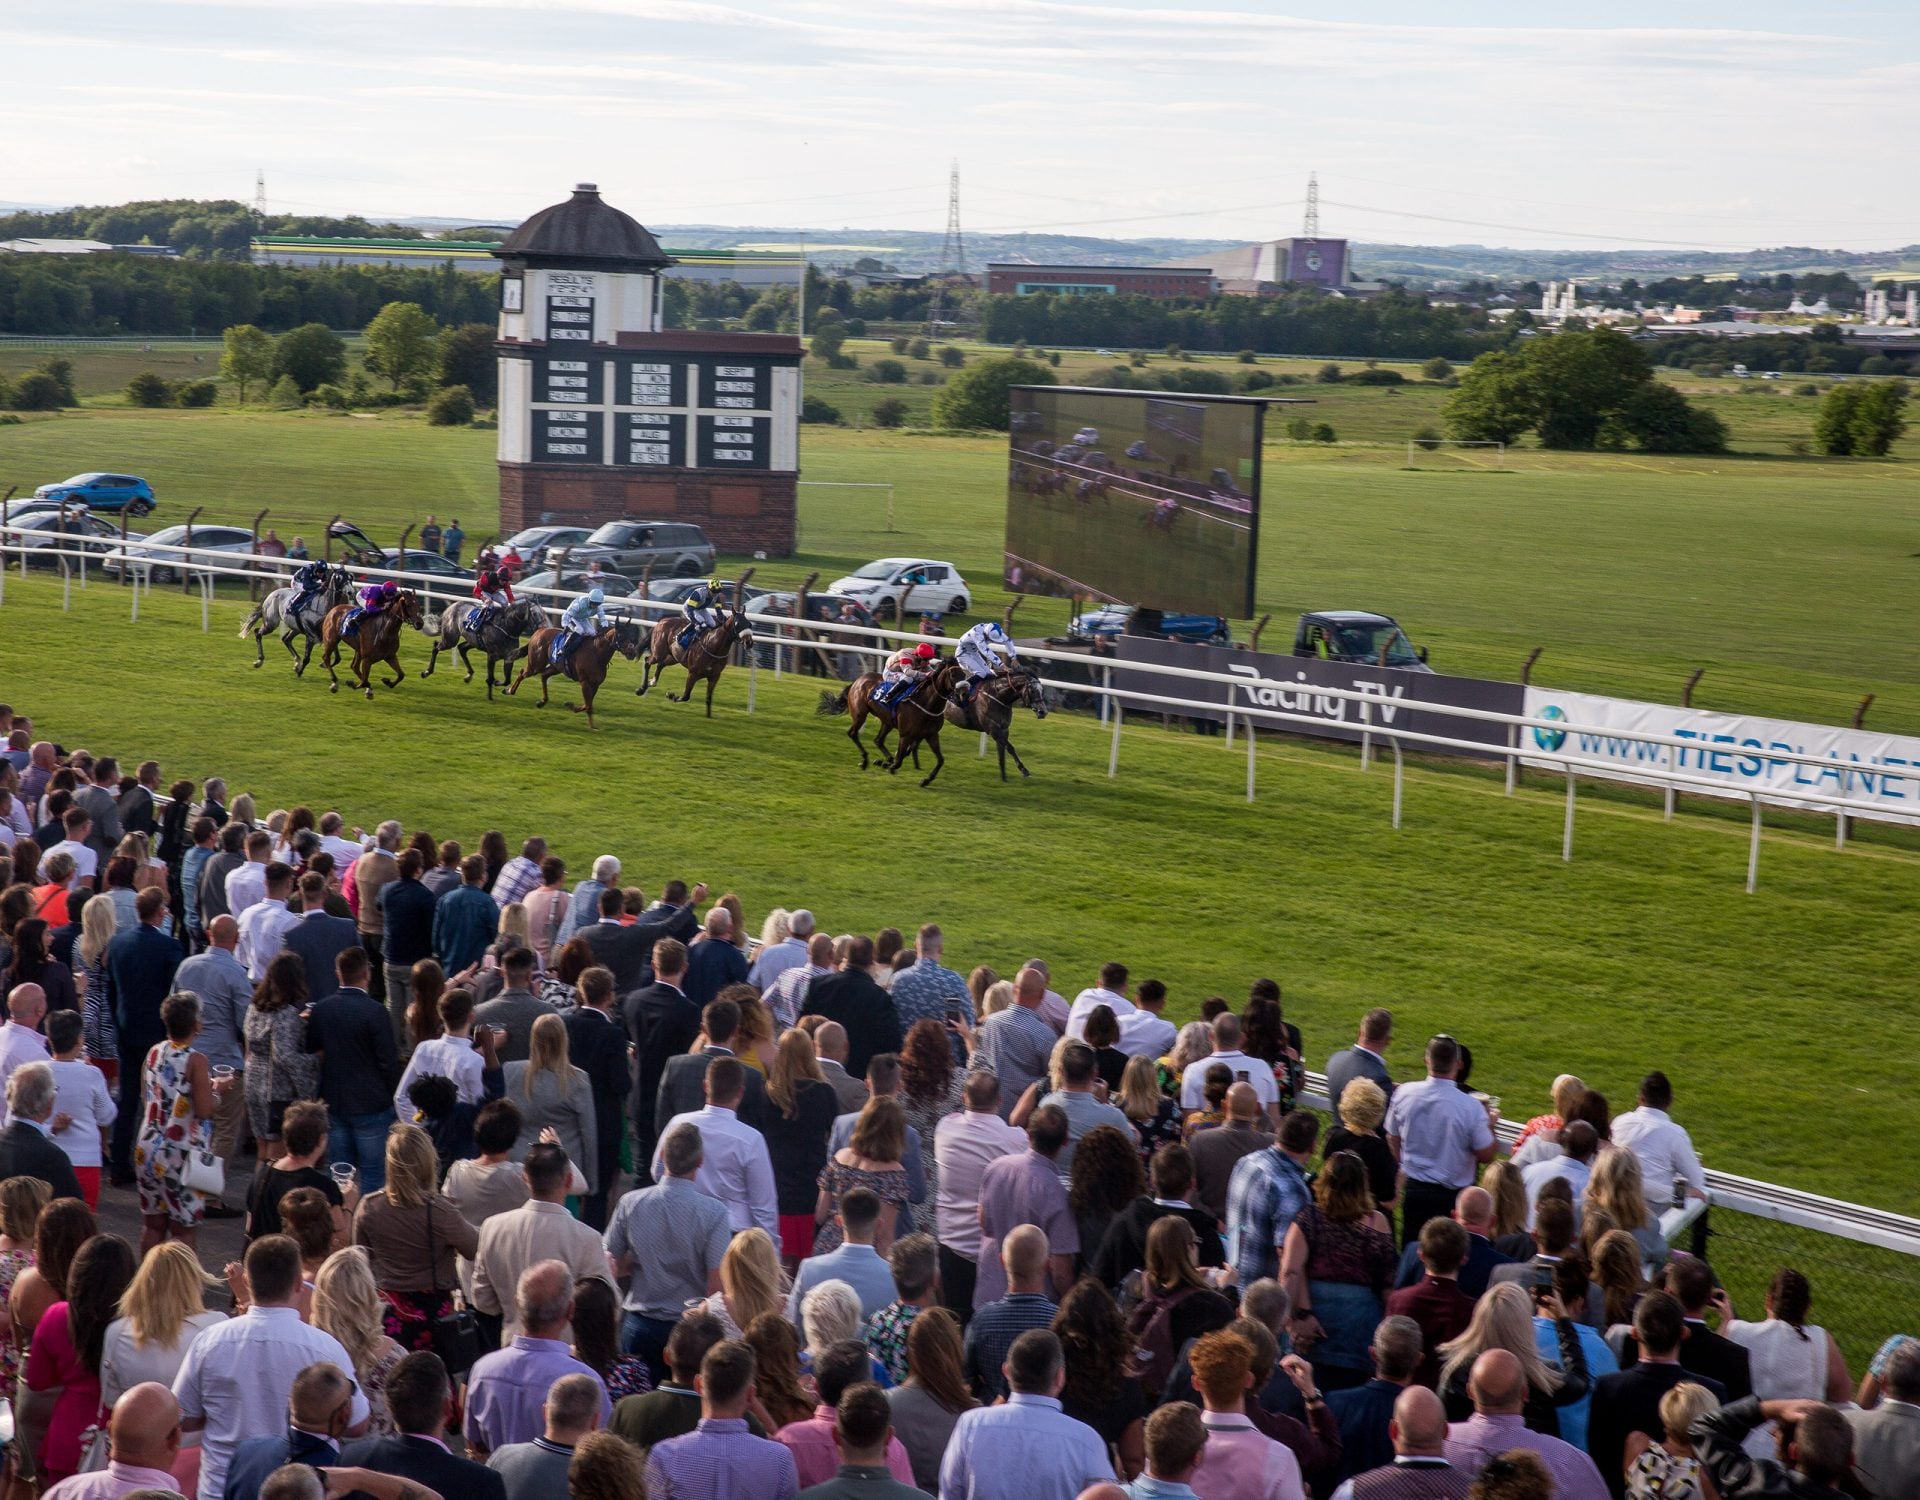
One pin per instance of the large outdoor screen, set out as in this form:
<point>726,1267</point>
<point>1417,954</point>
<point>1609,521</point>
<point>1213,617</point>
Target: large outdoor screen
<point>1134,497</point>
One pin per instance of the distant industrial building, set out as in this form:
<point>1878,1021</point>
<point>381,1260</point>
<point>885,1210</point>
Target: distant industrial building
<point>1166,283</point>
<point>80,247</point>
<point>750,268</point>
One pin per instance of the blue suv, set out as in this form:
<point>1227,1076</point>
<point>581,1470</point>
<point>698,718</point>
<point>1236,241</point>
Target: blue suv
<point>102,493</point>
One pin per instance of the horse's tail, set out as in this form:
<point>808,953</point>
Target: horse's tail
<point>832,705</point>
<point>257,617</point>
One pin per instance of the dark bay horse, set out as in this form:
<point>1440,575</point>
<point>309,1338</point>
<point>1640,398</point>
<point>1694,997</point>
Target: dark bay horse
<point>587,665</point>
<point>990,710</point>
<point>918,717</point>
<point>276,612</point>
<point>500,639</point>
<point>705,658</point>
<point>859,700</point>
<point>376,640</point>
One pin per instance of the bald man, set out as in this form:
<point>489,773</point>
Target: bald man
<point>995,1325</point>
<point>143,1436</point>
<point>20,1039</point>
<point>319,1411</point>
<point>1473,1212</point>
<point>1498,1385</point>
<point>830,1047</point>
<point>1218,1149</point>
<point>1420,1470</point>
<point>507,1392</point>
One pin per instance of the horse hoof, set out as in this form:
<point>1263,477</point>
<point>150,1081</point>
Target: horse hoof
<point>335,688</point>
<point>258,665</point>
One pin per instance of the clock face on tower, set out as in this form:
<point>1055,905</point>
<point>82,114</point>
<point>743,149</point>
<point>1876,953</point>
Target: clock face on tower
<point>1313,260</point>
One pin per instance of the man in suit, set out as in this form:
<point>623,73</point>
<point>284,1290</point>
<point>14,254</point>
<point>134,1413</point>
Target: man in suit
<point>1553,1233</point>
<point>319,1410</point>
<point>625,947</point>
<point>359,1066</point>
<point>1886,1440</point>
<point>319,939</point>
<point>516,1007</point>
<point>852,998</point>
<point>683,1082</point>
<point>830,1049</point>
<point>1705,1352</point>
<point>1416,1466</point>
<point>98,802</point>
<point>420,1400</point>
<point>1473,1212</point>
<point>1364,1058</point>
<point>26,1148</point>
<point>140,967</point>
<point>1365,1412</point>
<point>597,1043</point>
<point>715,963</point>
<point>661,1023</point>
<point>1629,1401</point>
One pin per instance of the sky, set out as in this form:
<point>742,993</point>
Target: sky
<point>1697,124</point>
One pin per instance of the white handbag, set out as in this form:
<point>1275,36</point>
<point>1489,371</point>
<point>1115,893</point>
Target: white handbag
<point>205,1173</point>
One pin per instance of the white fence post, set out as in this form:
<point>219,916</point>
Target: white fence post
<point>1566,838</point>
<point>1113,754</point>
<point>1250,747</point>
<point>1513,758</point>
<point>753,677</point>
<point>1753,849</point>
<point>1398,783</point>
<point>206,602</point>
<point>133,588</point>
<point>66,584</point>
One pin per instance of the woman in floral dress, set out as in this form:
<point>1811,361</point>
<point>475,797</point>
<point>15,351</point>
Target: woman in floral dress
<point>870,1160</point>
<point>21,1199</point>
<point>177,1087</point>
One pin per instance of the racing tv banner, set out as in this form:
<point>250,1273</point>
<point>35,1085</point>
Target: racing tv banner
<point>1879,773</point>
<point>1293,686</point>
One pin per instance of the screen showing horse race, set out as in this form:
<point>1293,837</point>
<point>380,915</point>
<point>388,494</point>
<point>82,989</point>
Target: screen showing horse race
<point>1134,497</point>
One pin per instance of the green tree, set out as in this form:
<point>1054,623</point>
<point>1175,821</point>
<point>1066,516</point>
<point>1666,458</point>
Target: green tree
<point>197,393</point>
<point>60,371</point>
<point>285,392</point>
<point>887,372</point>
<point>310,355</point>
<point>1661,420</point>
<point>1494,402</point>
<point>451,406</point>
<point>1860,420</point>
<point>401,343</point>
<point>37,391</point>
<point>977,396</point>
<point>815,411</point>
<point>1579,380</point>
<point>1328,375</point>
<point>248,357</point>
<point>892,412</point>
<point>919,349</point>
<point>952,357</point>
<point>467,358</point>
<point>1437,369</point>
<point>827,341</point>
<point>149,389</point>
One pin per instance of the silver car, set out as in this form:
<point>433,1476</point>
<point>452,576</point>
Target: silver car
<point>156,561</point>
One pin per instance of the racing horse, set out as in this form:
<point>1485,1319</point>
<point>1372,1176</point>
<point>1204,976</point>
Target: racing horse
<point>858,700</point>
<point>990,710</point>
<point>500,639</point>
<point>586,665</point>
<point>276,612</point>
<point>919,715</point>
<point>375,640</point>
<point>705,659</point>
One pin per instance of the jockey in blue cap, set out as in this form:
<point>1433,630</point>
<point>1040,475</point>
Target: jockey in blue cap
<point>307,581</point>
<point>704,608</point>
<point>983,651</point>
<point>904,671</point>
<point>584,617</point>
<point>374,596</point>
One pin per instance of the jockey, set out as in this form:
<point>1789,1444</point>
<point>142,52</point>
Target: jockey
<point>584,617</point>
<point>704,608</point>
<point>983,651</point>
<point>307,581</point>
<point>904,671</point>
<point>494,592</point>
<point>375,596</point>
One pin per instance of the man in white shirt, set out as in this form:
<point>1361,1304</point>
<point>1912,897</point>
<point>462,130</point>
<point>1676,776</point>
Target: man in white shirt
<point>451,1055</point>
<point>736,1168</point>
<point>237,1376</point>
<point>86,864</point>
<point>1578,1142</point>
<point>344,850</point>
<point>1665,1150</point>
<point>1256,1074</point>
<point>965,1143</point>
<point>1111,992</point>
<point>247,883</point>
<point>20,1039</point>
<point>264,924</point>
<point>1145,1033</point>
<point>1441,1136</point>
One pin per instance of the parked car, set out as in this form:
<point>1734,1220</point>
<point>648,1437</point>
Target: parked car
<point>1359,636</point>
<point>41,531</point>
<point>103,492</point>
<point>535,542</point>
<point>674,548</point>
<point>393,563</point>
<point>826,609</point>
<point>611,584</point>
<point>1111,620</point>
<point>896,586</point>
<point>153,561</point>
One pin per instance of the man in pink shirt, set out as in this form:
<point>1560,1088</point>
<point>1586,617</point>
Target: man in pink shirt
<point>965,1144</point>
<point>1240,1461</point>
<point>144,1438</point>
<point>1025,1189</point>
<point>811,1442</point>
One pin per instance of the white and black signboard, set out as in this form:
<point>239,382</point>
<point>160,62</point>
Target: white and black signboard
<point>650,439</point>
<point>658,382</point>
<point>570,297</point>
<point>735,442</point>
<point>568,382</point>
<point>566,437</point>
<point>1294,685</point>
<point>512,293</point>
<point>726,386</point>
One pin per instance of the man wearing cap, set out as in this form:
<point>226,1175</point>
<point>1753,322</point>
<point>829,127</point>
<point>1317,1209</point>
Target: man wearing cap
<point>584,617</point>
<point>904,671</point>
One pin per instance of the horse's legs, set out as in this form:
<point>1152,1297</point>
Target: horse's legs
<point>1000,742</point>
<point>329,659</point>
<point>260,648</point>
<point>545,673</point>
<point>515,689</point>
<point>399,672</point>
<point>466,660</point>
<point>853,733</point>
<point>712,678</point>
<point>646,672</point>
<point>939,759</point>
<point>1006,744</point>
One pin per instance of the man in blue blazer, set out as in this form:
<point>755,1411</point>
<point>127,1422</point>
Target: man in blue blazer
<point>319,939</point>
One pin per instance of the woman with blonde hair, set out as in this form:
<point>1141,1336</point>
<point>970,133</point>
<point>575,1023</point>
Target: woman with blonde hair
<point>551,1091</point>
<point>776,929</point>
<point>162,1312</point>
<point>1615,1187</point>
<point>21,1199</point>
<point>871,1160</point>
<point>1503,1319</point>
<point>1363,1105</point>
<point>148,872</point>
<point>751,1282</point>
<point>1617,1272</point>
<point>1511,1212</point>
<point>1039,1089</point>
<point>1195,1041</point>
<point>1539,1138</point>
<point>738,934</point>
<point>100,1032</point>
<point>1670,1470</point>
<point>998,997</point>
<point>413,1233</point>
<point>1155,1117</point>
<point>753,1040</point>
<point>982,979</point>
<point>346,1305</point>
<point>1338,1262</point>
<point>241,810</point>
<point>797,1145</point>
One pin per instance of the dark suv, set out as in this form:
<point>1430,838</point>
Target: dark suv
<point>676,549</point>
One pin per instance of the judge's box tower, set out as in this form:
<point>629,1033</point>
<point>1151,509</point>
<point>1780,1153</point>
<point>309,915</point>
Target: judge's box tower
<point>604,415</point>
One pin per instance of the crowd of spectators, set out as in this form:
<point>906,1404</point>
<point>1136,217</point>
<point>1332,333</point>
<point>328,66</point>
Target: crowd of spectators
<point>563,1186</point>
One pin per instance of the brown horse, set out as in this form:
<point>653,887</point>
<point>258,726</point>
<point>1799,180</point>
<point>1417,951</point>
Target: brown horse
<point>858,699</point>
<point>587,665</point>
<point>705,659</point>
<point>919,716</point>
<point>375,640</point>
<point>990,710</point>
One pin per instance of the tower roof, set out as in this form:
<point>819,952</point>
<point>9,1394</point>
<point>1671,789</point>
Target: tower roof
<point>588,232</point>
